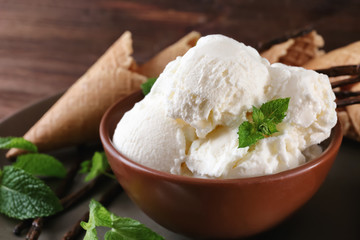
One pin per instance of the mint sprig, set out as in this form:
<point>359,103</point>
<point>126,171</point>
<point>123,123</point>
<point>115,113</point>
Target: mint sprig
<point>264,121</point>
<point>146,86</point>
<point>23,196</point>
<point>42,165</point>
<point>96,166</point>
<point>17,142</point>
<point>121,228</point>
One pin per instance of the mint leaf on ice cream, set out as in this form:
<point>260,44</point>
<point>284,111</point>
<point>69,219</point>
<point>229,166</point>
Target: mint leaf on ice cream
<point>263,123</point>
<point>248,134</point>
<point>146,86</point>
<point>274,111</point>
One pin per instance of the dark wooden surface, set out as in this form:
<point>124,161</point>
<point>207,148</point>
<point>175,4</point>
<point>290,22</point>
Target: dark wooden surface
<point>46,45</point>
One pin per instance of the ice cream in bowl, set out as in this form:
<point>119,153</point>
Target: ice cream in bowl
<point>225,145</point>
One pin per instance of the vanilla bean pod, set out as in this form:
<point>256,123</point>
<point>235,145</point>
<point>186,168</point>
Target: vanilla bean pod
<point>346,94</point>
<point>35,230</point>
<point>347,101</point>
<point>76,229</point>
<point>105,200</point>
<point>21,226</point>
<point>265,46</point>
<point>72,199</point>
<point>346,81</point>
<point>344,98</point>
<point>68,181</point>
<point>340,70</point>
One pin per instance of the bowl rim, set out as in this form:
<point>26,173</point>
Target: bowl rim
<point>106,140</point>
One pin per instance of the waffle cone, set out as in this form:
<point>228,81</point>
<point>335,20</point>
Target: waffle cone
<point>75,117</point>
<point>347,55</point>
<point>156,65</point>
<point>277,51</point>
<point>296,51</point>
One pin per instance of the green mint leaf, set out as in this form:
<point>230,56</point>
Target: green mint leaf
<point>257,116</point>
<point>17,142</point>
<point>23,196</point>
<point>102,217</point>
<point>113,235</point>
<point>85,166</point>
<point>264,122</point>
<point>90,226</point>
<point>99,165</point>
<point>275,110</point>
<point>121,228</point>
<point>132,229</point>
<point>91,234</point>
<point>42,165</point>
<point>248,134</point>
<point>267,128</point>
<point>146,86</point>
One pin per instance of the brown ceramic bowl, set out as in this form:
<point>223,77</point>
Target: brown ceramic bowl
<point>208,208</point>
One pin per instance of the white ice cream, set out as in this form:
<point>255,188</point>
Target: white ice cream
<point>206,85</point>
<point>188,123</point>
<point>146,124</point>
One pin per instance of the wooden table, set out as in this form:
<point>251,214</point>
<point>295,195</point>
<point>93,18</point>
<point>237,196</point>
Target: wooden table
<point>46,45</point>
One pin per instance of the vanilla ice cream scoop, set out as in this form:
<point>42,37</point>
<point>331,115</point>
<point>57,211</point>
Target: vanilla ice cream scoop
<point>214,83</point>
<point>310,118</point>
<point>144,130</point>
<point>188,123</point>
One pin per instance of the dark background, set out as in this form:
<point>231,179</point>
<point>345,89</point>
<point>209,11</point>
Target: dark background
<point>46,45</point>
